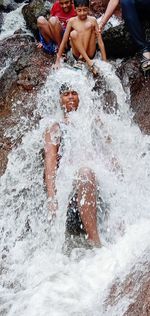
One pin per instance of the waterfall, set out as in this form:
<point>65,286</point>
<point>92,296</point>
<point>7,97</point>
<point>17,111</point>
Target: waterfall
<point>13,21</point>
<point>37,278</point>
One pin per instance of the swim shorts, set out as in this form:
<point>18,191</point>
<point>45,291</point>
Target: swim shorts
<point>74,225</point>
<point>50,48</point>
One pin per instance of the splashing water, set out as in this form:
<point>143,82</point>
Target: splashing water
<point>13,21</point>
<point>36,277</point>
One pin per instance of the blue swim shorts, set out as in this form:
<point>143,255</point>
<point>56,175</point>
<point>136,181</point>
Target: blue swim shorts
<point>50,48</point>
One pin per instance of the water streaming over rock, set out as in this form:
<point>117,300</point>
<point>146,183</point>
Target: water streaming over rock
<point>37,278</point>
<point>13,21</point>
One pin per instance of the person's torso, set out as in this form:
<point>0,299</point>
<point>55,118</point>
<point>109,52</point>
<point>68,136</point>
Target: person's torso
<point>62,16</point>
<point>82,26</point>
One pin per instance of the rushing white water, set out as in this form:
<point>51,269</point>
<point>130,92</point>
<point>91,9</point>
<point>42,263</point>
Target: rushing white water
<point>13,21</point>
<point>36,277</point>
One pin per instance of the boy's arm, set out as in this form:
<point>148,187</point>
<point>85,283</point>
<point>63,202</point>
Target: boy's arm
<point>50,166</point>
<point>112,5</point>
<point>64,42</point>
<point>100,42</point>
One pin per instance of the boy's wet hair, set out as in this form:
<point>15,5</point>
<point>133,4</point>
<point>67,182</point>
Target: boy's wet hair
<point>81,3</point>
<point>66,86</point>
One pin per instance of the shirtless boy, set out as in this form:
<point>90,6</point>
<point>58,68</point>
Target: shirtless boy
<point>51,31</point>
<point>85,200</point>
<point>81,217</point>
<point>82,31</point>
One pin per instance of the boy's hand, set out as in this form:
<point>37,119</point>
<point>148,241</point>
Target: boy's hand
<point>56,65</point>
<point>101,26</point>
<point>39,45</point>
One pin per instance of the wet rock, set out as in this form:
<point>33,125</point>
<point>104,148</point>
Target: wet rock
<point>135,289</point>
<point>8,5</point>
<point>141,306</point>
<point>119,34</point>
<point>10,52</point>
<point>5,147</point>
<point>32,11</point>
<point>98,7</point>
<point>107,99</point>
<point>133,77</point>
<point>112,39</point>
<point>27,79</point>
<point>25,71</point>
<point>1,20</point>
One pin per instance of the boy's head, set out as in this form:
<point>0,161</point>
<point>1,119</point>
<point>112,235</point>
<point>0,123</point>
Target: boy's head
<point>82,8</point>
<point>66,5</point>
<point>69,98</point>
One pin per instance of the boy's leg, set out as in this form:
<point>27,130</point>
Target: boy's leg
<point>91,49</point>
<point>44,28</point>
<point>51,29</point>
<point>86,200</point>
<point>80,43</point>
<point>56,29</point>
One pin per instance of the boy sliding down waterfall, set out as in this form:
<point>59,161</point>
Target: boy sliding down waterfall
<point>84,201</point>
<point>82,31</point>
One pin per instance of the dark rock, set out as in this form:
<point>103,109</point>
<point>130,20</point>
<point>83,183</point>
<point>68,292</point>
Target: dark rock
<point>98,7</point>
<point>132,77</point>
<point>32,11</point>
<point>27,79</point>
<point>19,1</point>
<point>25,71</point>
<point>22,46</point>
<point>1,20</point>
<point>118,41</point>
<point>8,5</point>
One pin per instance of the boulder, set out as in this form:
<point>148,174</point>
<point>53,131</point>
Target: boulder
<point>118,41</point>
<point>8,5</point>
<point>133,77</point>
<point>98,7</point>
<point>25,71</point>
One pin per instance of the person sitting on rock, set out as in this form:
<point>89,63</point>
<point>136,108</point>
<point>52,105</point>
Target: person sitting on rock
<point>82,31</point>
<point>51,31</point>
<point>132,10</point>
<point>85,200</point>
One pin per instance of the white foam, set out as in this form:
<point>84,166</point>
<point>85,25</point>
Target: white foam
<point>37,279</point>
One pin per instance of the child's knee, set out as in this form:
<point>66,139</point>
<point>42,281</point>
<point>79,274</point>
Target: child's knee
<point>73,35</point>
<point>41,20</point>
<point>53,20</point>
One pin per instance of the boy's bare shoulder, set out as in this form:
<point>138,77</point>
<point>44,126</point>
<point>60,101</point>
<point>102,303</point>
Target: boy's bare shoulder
<point>92,18</point>
<point>71,20</point>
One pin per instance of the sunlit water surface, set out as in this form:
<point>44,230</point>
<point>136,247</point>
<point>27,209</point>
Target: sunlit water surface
<point>37,278</point>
